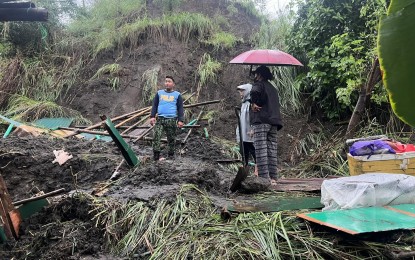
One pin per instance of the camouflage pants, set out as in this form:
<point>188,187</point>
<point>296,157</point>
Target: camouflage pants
<point>169,125</point>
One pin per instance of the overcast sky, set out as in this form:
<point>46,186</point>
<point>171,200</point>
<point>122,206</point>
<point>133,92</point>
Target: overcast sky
<point>274,5</point>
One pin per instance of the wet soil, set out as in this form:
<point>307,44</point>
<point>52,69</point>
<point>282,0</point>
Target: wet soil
<point>65,229</point>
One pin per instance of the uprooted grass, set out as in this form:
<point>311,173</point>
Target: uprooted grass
<point>222,41</point>
<point>206,72</point>
<point>190,227</point>
<point>325,155</point>
<point>149,80</point>
<point>24,109</point>
<point>112,71</point>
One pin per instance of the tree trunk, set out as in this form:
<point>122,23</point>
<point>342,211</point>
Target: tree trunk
<point>365,91</point>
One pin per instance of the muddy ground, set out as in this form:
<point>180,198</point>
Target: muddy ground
<point>27,168</point>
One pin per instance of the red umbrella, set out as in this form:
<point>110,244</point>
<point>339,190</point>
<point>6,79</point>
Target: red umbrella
<point>266,57</point>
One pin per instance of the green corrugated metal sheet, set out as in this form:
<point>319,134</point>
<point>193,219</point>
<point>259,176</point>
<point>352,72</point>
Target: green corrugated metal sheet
<point>126,150</point>
<point>407,208</point>
<point>28,209</point>
<point>3,237</point>
<point>10,121</point>
<point>53,123</point>
<point>365,220</point>
<point>276,204</point>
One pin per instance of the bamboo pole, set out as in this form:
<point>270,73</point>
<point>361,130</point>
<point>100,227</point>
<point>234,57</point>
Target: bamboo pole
<point>101,133</point>
<point>203,103</point>
<point>49,194</point>
<point>121,127</point>
<point>133,117</point>
<point>190,130</point>
<point>139,111</point>
<point>144,134</point>
<point>131,127</point>
<point>112,119</point>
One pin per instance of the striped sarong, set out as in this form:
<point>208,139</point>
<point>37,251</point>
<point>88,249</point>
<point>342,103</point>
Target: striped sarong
<point>265,142</point>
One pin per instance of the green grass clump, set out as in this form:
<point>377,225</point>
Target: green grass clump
<point>24,109</point>
<point>222,41</point>
<point>112,70</point>
<point>207,72</point>
<point>149,80</point>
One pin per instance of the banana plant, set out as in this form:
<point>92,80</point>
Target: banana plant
<point>396,42</point>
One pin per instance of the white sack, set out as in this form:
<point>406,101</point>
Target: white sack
<point>367,190</point>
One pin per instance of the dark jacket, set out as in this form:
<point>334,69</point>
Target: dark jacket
<point>266,96</point>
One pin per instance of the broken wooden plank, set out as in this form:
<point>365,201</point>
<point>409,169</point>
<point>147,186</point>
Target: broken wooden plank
<point>299,184</point>
<point>10,216</point>
<point>275,204</point>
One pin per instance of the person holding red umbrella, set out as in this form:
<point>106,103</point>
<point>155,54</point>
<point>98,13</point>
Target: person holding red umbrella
<point>266,120</point>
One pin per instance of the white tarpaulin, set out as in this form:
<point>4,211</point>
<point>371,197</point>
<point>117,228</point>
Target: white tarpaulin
<point>367,190</point>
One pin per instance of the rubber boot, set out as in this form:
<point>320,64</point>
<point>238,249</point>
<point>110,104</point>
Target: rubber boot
<point>170,156</point>
<point>156,156</point>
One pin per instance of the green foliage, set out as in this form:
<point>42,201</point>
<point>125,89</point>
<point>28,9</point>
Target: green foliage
<point>99,26</point>
<point>38,84</point>
<point>5,49</point>
<point>149,80</point>
<point>396,56</point>
<point>324,152</point>
<point>336,40</point>
<point>207,72</point>
<point>222,41</point>
<point>288,89</point>
<point>232,9</point>
<point>106,15</point>
<point>31,38</point>
<point>25,109</point>
<point>248,7</point>
<point>44,81</point>
<point>27,37</point>
<point>113,71</point>
<point>273,33</point>
<point>110,34</point>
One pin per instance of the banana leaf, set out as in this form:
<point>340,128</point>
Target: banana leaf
<point>396,46</point>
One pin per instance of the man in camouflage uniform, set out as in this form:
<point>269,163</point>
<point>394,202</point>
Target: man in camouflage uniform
<point>168,105</point>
